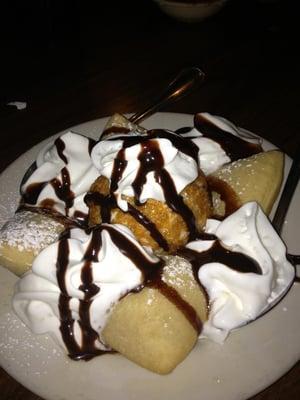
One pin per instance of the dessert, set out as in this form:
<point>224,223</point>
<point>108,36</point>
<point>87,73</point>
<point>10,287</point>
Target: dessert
<point>256,178</point>
<point>152,184</point>
<point>87,275</point>
<point>244,269</point>
<point>154,270</point>
<point>52,198</point>
<point>63,175</point>
<point>104,291</point>
<point>23,236</point>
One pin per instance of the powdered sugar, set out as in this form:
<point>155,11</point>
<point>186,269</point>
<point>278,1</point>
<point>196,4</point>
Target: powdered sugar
<point>29,231</point>
<point>177,272</point>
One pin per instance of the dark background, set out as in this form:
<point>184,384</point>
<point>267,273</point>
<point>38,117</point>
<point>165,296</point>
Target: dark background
<point>58,53</point>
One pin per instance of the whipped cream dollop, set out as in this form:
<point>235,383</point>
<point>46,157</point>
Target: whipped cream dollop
<point>239,296</point>
<point>63,175</point>
<point>218,140</point>
<point>75,283</point>
<point>139,165</point>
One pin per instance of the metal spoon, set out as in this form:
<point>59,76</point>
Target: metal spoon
<point>181,85</point>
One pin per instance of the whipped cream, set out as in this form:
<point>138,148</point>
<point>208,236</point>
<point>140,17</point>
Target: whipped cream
<point>63,176</point>
<point>236,297</point>
<point>85,276</point>
<point>142,156</point>
<point>211,154</point>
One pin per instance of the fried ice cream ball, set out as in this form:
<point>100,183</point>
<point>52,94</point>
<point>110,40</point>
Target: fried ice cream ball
<point>169,224</point>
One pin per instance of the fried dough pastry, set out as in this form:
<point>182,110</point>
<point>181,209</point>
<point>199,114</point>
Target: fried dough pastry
<point>153,330</point>
<point>169,224</point>
<point>23,237</point>
<point>256,178</point>
<point>117,123</point>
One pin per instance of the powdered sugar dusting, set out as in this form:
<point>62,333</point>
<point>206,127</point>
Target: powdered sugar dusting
<point>29,231</point>
<point>177,272</point>
<point>231,174</point>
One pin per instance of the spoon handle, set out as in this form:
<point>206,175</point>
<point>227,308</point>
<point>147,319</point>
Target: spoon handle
<point>287,193</point>
<point>179,87</point>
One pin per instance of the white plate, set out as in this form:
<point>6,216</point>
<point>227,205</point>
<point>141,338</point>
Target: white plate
<point>251,359</point>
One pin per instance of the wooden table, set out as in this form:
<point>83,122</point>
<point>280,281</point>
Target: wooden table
<point>72,62</point>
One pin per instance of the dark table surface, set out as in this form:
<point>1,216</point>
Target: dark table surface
<point>71,61</point>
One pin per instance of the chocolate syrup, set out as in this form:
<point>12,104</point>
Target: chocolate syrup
<point>151,160</point>
<point>219,254</point>
<point>79,220</point>
<point>66,320</point>
<point>149,225</point>
<point>32,192</point>
<point>60,147</point>
<point>184,146</point>
<point>120,164</point>
<point>92,143</point>
<point>176,203</point>
<point>226,194</point>
<point>155,281</point>
<point>235,147</point>
<point>87,349</point>
<point>62,188</point>
<point>106,203</point>
<point>152,277</point>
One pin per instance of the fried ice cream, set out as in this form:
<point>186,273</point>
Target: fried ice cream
<point>152,184</point>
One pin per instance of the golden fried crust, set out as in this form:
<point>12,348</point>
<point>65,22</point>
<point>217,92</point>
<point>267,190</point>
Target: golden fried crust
<point>169,224</point>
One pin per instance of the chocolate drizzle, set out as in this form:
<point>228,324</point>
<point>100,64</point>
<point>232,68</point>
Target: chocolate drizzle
<point>235,147</point>
<point>219,254</point>
<point>63,190</point>
<point>176,203</point>
<point>120,164</point>
<point>155,281</point>
<point>87,349</point>
<point>150,226</point>
<point>226,193</point>
<point>152,276</point>
<point>32,192</point>
<point>151,160</point>
<point>152,272</point>
<point>61,187</point>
